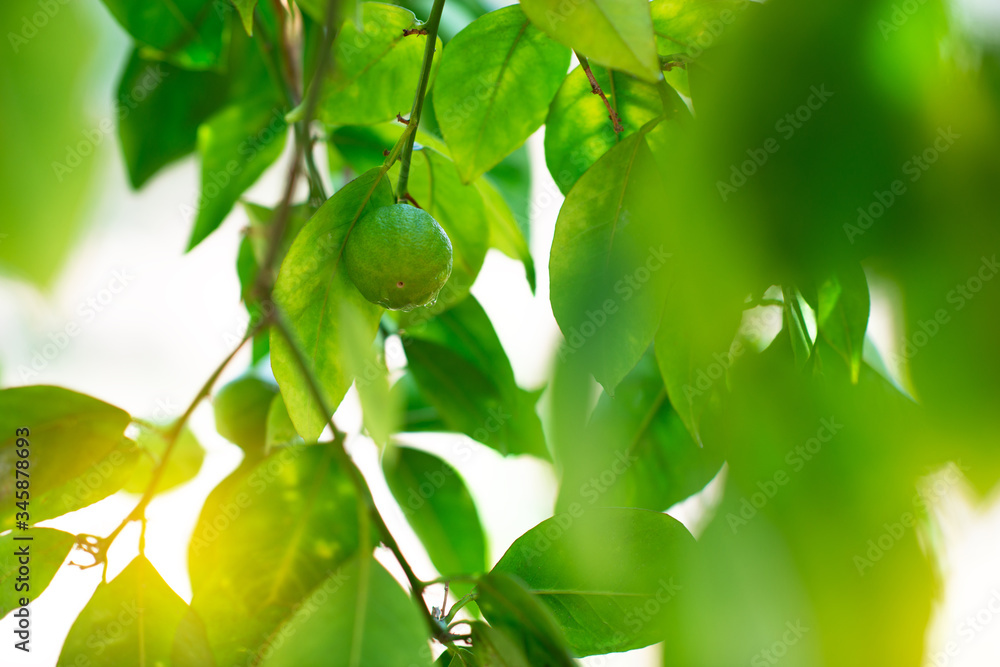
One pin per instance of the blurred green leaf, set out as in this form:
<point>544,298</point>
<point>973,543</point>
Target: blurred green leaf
<point>608,576</point>
<point>47,167</point>
<point>144,609</point>
<point>505,234</point>
<point>70,433</point>
<point>842,314</point>
<point>188,33</point>
<point>418,413</point>
<point>440,509</point>
<point>237,145</point>
<point>617,34</point>
<point>48,549</point>
<point>524,631</point>
<point>578,129</point>
<point>295,511</point>
<point>246,9</point>
<point>635,450</point>
<point>795,326</point>
<point>280,430</point>
<point>312,281</point>
<point>375,71</point>
<point>358,616</point>
<point>184,462</point>
<point>608,259</point>
<point>495,82</point>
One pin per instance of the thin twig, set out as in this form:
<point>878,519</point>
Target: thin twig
<point>595,88</point>
<point>418,102</point>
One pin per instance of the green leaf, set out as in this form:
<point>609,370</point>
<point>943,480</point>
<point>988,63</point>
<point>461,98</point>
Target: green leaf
<point>461,368</point>
<point>245,8</point>
<point>184,462</point>
<point>163,127</point>
<point>458,208</point>
<point>130,620</point>
<point>505,234</point>
<point>357,616</point>
<point>375,70</point>
<point>48,167</point>
<point>695,350</point>
<point>418,413</point>
<point>613,33</point>
<point>70,433</point>
<point>795,325</point>
<point>496,80</point>
<point>463,657</point>
<point>312,282</point>
<point>607,575</point>
<point>280,430</point>
<point>188,33</point>
<point>578,129</point>
<point>635,451</point>
<point>609,264</point>
<point>689,27</point>
<point>237,145</point>
<point>491,647</point>
<point>526,631</point>
<point>47,549</point>
<point>295,512</point>
<point>439,507</point>
<point>843,303</point>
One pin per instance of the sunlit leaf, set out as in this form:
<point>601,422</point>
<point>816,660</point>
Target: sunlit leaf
<point>46,549</point>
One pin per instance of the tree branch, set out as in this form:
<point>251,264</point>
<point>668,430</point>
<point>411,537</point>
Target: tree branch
<point>418,102</point>
<point>595,88</point>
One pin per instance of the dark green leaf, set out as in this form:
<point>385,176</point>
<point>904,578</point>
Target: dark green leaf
<point>129,621</point>
<point>842,314</point>
<point>237,145</point>
<point>578,129</point>
<point>358,616</point>
<point>496,80</point>
<point>375,70</point>
<point>635,452</point>
<point>439,507</point>
<point>525,628</point>
<point>418,413</point>
<point>47,550</point>
<point>312,289</point>
<point>295,513</point>
<point>795,326</point>
<point>609,263</point>
<point>491,647</point>
<point>460,366</point>
<point>70,435</point>
<point>189,33</point>
<point>607,575</point>
<point>184,462</point>
<point>160,107</point>
<point>616,34</point>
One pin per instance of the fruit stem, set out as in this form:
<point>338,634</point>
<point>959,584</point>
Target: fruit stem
<point>418,102</point>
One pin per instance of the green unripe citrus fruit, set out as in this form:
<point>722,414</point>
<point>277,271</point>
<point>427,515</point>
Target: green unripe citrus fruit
<point>241,409</point>
<point>398,257</point>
